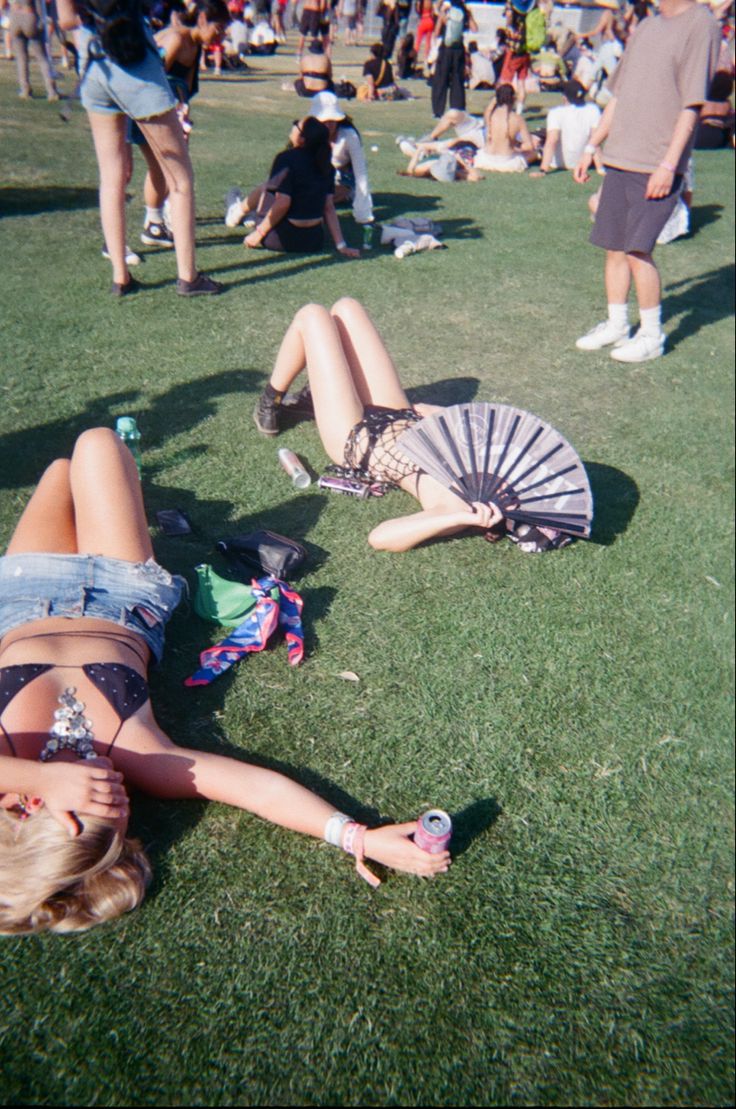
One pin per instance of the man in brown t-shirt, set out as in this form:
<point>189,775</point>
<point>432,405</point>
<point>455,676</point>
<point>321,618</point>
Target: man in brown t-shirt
<point>648,128</point>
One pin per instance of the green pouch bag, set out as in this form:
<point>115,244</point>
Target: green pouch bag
<point>216,598</point>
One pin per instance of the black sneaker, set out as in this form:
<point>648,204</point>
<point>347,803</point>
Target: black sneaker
<point>266,412</point>
<point>157,234</point>
<point>201,286</point>
<point>131,286</point>
<point>301,404</point>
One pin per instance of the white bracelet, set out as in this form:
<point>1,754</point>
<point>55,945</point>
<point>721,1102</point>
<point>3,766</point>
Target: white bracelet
<point>334,828</point>
<point>341,245</point>
<point>589,148</point>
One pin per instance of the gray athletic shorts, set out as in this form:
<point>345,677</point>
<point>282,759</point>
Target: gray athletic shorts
<point>625,220</point>
<point>141,92</point>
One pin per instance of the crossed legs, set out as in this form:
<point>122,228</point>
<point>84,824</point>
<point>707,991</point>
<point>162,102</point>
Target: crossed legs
<point>89,505</point>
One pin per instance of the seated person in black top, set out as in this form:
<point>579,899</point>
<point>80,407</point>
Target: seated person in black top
<point>293,206</point>
<point>378,75</point>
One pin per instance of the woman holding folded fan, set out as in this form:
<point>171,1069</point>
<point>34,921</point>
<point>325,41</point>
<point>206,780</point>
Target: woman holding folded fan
<point>83,610</point>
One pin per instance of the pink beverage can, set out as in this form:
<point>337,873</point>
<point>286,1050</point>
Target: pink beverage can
<point>434,831</point>
<point>350,486</point>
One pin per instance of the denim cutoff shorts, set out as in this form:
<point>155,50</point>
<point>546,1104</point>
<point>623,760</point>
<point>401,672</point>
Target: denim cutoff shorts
<point>140,92</point>
<point>139,596</point>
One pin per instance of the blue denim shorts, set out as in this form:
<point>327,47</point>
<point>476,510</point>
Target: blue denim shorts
<point>139,596</point>
<point>141,92</point>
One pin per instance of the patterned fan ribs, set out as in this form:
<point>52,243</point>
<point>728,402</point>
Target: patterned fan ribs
<point>493,452</point>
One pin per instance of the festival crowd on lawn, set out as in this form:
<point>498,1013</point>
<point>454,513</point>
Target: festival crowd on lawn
<point>82,599</point>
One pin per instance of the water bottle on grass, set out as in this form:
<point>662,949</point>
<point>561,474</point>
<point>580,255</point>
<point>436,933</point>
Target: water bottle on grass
<point>127,429</point>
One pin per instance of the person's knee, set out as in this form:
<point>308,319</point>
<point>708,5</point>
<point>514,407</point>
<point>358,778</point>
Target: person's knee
<point>57,472</point>
<point>311,314</point>
<point>346,306</point>
<point>94,442</point>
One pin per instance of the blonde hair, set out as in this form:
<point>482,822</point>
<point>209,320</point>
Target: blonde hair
<point>52,882</point>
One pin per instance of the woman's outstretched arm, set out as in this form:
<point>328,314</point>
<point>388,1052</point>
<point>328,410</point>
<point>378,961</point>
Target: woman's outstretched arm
<point>160,768</point>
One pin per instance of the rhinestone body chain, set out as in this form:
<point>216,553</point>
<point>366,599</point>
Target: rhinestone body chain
<point>71,730</point>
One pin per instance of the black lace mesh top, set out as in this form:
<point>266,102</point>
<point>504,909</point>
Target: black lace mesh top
<point>371,445</point>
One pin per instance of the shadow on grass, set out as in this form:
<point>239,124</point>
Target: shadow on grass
<point>703,214</point>
<point>25,454</point>
<point>387,206</point>
<point>615,497</point>
<point>451,390</point>
<point>700,301</point>
<point>31,200</point>
<point>472,821</point>
<point>160,826</point>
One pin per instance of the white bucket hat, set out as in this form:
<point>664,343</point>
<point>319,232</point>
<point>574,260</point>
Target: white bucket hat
<point>324,107</point>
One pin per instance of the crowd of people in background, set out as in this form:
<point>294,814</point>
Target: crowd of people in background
<point>532,49</point>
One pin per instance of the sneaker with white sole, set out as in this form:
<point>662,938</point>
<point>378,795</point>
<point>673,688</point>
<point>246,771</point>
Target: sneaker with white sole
<point>131,258</point>
<point>604,334</point>
<point>157,234</point>
<point>642,348</point>
<point>233,207</point>
<point>408,148</point>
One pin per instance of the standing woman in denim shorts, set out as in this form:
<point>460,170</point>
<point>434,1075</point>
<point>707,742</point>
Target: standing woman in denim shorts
<point>83,607</point>
<point>110,92</point>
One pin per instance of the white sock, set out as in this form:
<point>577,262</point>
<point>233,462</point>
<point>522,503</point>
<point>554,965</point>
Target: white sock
<point>651,320</point>
<point>154,215</point>
<point>618,314</point>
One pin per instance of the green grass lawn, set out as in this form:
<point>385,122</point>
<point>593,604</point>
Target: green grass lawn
<point>572,711</point>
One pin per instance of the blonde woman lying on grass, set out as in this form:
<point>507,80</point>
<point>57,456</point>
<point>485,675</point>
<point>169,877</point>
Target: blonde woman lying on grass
<point>83,611</point>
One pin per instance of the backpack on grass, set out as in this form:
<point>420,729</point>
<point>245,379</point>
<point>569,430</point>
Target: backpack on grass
<point>119,29</point>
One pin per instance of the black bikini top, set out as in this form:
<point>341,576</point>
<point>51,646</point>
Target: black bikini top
<point>124,689</point>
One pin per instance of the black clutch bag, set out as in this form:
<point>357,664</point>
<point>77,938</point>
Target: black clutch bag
<point>266,551</point>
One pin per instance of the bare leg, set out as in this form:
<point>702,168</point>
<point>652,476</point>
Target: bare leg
<point>313,340</point>
<point>166,140</point>
<point>20,46</point>
<point>108,504</point>
<point>372,369</point>
<point>617,277</point>
<point>47,523</point>
<point>154,184</point>
<point>36,48</point>
<point>108,133</point>
<point>646,280</point>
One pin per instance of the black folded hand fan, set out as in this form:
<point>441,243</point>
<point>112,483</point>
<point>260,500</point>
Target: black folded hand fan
<point>492,452</point>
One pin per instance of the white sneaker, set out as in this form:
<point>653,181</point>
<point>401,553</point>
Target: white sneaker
<point>131,258</point>
<point>642,348</point>
<point>408,148</point>
<point>604,334</point>
<point>233,208</point>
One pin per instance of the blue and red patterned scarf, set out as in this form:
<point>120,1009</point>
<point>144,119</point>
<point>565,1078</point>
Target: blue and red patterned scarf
<point>277,606</point>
